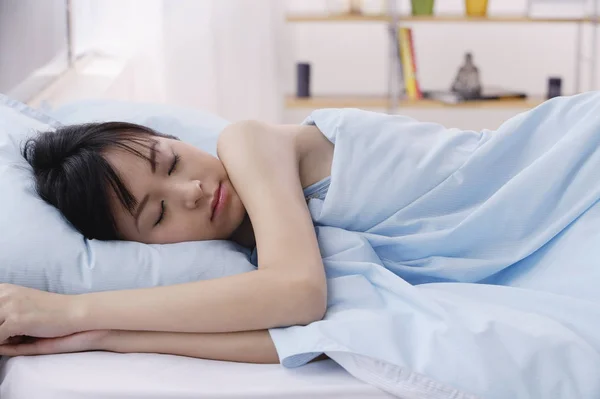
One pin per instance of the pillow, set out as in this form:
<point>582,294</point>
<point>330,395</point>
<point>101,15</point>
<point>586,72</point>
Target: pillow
<point>195,127</point>
<point>40,249</point>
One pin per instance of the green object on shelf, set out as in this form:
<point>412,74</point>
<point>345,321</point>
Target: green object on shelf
<point>422,7</point>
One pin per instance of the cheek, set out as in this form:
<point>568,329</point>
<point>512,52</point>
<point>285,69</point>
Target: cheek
<point>126,225</point>
<point>215,166</point>
<point>185,228</point>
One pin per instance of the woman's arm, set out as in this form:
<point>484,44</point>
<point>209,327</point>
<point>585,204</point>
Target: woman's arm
<point>246,346</point>
<point>289,287</point>
<point>255,300</point>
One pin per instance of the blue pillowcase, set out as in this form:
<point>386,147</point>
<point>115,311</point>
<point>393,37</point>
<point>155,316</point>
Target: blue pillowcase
<point>40,249</point>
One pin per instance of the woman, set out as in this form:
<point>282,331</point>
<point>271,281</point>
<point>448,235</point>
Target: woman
<point>124,181</point>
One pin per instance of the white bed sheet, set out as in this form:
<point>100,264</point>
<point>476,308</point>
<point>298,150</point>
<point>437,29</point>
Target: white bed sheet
<point>102,375</point>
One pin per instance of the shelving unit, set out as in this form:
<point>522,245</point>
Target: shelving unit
<point>430,19</point>
<point>393,19</point>
<point>384,102</point>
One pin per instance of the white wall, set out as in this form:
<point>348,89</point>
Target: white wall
<point>33,45</point>
<point>352,58</point>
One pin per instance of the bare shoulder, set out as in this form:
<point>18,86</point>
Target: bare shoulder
<point>304,145</point>
<point>258,139</point>
<point>258,158</point>
<point>304,138</point>
<point>244,130</point>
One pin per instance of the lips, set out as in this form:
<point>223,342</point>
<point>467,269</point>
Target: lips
<point>216,201</point>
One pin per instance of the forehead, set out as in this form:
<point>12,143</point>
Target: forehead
<point>133,159</point>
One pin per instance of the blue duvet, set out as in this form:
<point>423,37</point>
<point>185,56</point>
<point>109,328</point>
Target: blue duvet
<point>461,264</point>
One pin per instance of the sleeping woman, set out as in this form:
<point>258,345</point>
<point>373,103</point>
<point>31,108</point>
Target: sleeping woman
<point>408,199</point>
<point>120,181</point>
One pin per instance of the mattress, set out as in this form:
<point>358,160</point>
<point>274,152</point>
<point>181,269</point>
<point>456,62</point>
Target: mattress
<point>103,375</point>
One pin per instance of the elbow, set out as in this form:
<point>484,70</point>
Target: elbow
<point>311,300</point>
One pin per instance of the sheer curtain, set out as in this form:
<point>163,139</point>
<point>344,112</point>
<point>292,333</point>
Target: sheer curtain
<point>225,56</point>
<point>222,56</point>
<point>130,31</point>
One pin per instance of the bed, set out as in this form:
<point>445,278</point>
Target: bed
<point>95,375</point>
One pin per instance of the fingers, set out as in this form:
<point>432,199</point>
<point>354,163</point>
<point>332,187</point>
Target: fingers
<point>28,346</point>
<point>78,342</point>
<point>4,330</point>
<point>19,339</point>
<point>8,314</point>
<point>27,349</point>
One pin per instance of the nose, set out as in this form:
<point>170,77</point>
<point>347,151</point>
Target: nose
<point>192,193</point>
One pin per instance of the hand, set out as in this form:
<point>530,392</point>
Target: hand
<point>29,312</point>
<point>78,342</point>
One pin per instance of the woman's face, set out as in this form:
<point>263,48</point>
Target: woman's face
<point>183,194</point>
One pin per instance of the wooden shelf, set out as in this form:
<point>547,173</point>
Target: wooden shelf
<point>383,102</point>
<point>429,19</point>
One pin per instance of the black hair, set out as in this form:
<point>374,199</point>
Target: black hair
<point>71,172</point>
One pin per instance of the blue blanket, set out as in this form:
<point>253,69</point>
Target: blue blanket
<point>461,263</point>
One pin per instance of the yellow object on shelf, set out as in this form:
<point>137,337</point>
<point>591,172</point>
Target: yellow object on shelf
<point>409,65</point>
<point>476,8</point>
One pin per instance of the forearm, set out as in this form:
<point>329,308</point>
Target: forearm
<point>256,300</point>
<point>246,346</point>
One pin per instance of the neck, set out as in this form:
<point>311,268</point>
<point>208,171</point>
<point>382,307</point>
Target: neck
<point>244,235</point>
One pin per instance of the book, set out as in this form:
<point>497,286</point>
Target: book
<point>408,63</point>
<point>414,64</point>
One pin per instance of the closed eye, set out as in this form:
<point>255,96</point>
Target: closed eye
<point>176,160</point>
<point>172,169</point>
<point>162,213</point>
